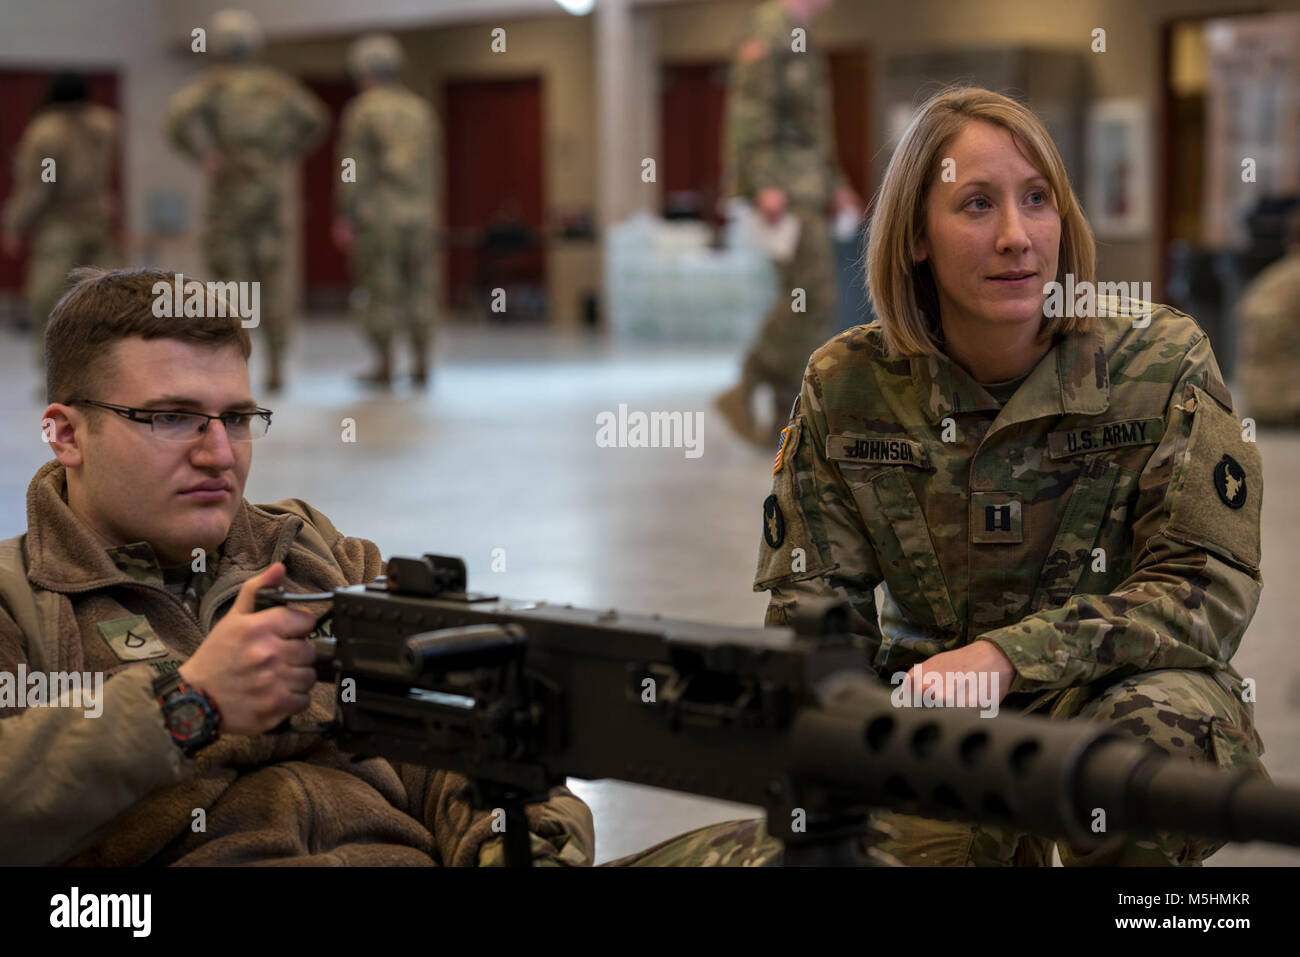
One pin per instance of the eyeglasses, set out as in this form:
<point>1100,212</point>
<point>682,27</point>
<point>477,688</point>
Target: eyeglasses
<point>177,426</point>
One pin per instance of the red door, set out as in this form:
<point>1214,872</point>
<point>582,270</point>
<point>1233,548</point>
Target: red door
<point>326,271</point>
<point>496,225</point>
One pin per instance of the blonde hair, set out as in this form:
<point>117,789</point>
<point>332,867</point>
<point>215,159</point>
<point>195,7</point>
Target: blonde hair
<point>903,292</point>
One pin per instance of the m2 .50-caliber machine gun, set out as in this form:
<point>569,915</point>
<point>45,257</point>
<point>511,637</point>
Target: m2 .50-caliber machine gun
<point>519,695</point>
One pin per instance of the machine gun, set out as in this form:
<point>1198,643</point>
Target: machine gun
<point>518,696</point>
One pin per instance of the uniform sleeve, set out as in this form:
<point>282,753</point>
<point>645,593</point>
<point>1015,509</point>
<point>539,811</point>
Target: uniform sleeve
<point>307,114</point>
<point>749,160</point>
<point>49,755</point>
<point>183,112</point>
<point>30,196</point>
<point>1195,581</point>
<point>814,545</point>
<point>351,145</point>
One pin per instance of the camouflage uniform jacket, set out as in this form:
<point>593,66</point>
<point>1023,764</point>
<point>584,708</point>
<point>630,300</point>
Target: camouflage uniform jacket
<point>390,133</point>
<point>257,118</point>
<point>81,139</point>
<point>116,790</point>
<point>779,125</point>
<point>1105,521</point>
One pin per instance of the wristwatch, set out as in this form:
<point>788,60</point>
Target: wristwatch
<point>191,716</point>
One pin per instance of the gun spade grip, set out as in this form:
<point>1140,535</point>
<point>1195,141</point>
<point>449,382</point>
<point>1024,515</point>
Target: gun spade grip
<point>268,598</point>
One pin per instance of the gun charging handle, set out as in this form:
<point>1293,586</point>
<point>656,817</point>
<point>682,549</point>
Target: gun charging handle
<point>324,647</point>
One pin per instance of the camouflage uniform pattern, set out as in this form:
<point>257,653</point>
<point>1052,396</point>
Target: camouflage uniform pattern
<point>390,133</point>
<point>1124,439</point>
<point>69,220</point>
<point>1268,321</point>
<point>256,119</point>
<point>139,562</point>
<point>779,134</point>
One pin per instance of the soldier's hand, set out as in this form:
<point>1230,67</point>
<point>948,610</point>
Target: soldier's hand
<point>253,664</point>
<point>771,203</point>
<point>343,234</point>
<point>977,657</point>
<point>213,163</point>
<point>846,197</point>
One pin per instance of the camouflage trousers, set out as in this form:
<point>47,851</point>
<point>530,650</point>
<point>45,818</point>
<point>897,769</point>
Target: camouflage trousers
<point>244,242</point>
<point>56,249</point>
<point>1187,714</point>
<point>393,270</point>
<point>788,336</point>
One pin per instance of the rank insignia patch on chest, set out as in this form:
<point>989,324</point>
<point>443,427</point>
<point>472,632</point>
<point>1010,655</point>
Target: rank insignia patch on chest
<point>1230,481</point>
<point>780,450</point>
<point>773,522</point>
<point>132,638</point>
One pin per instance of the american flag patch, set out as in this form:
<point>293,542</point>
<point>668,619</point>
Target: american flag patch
<point>780,450</point>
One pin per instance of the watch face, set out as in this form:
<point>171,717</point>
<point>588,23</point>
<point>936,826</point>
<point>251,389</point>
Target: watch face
<point>187,719</point>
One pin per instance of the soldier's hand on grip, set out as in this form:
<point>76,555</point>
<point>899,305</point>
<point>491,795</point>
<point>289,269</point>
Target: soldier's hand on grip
<point>251,664</point>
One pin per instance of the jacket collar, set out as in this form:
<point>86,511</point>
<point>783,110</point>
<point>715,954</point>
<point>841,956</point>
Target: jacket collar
<point>64,555</point>
<point>1071,377</point>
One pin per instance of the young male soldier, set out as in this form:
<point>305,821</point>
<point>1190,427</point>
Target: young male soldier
<point>140,562</point>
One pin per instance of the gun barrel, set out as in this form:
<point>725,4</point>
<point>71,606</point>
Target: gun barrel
<point>1071,779</point>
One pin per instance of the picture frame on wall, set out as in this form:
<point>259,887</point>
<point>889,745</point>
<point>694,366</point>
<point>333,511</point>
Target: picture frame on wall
<point>1118,182</point>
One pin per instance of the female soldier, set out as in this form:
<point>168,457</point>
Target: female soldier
<point>1056,494</point>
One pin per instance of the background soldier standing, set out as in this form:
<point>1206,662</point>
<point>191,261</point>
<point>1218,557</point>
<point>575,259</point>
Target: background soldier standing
<point>779,153</point>
<point>66,212</point>
<point>385,215</point>
<point>1268,320</point>
<point>243,121</point>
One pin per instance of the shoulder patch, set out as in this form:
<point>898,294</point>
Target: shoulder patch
<point>782,453</point>
<point>773,522</point>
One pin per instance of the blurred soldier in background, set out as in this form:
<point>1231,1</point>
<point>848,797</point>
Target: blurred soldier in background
<point>1268,323</point>
<point>243,122</point>
<point>384,213</point>
<point>62,200</point>
<point>779,153</point>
